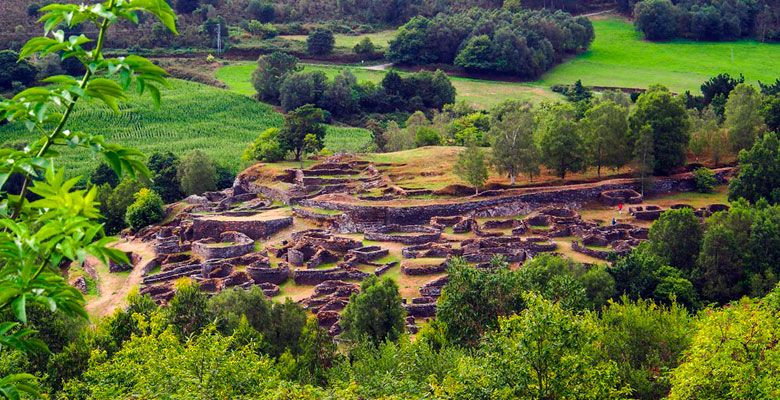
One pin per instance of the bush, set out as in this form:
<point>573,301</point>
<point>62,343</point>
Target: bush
<point>426,136</point>
<point>705,180</point>
<point>260,10</point>
<point>114,203</point>
<point>364,47</point>
<point>320,42</point>
<point>146,210</point>
<point>266,147</point>
<point>104,174</point>
<point>266,31</point>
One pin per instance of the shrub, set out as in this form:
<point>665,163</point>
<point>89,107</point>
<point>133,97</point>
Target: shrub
<point>426,136</point>
<point>364,47</point>
<point>705,180</point>
<point>266,147</point>
<point>104,174</point>
<point>260,10</point>
<point>320,42</point>
<point>146,210</point>
<point>266,31</point>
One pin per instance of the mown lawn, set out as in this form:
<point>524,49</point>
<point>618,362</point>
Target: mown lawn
<point>620,57</point>
<point>192,116</point>
<point>379,39</point>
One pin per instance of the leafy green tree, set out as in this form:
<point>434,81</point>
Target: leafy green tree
<point>743,116</point>
<point>556,279</point>
<point>285,331</point>
<point>62,226</point>
<point>301,88</point>
<point>721,269</point>
<point>473,299</point>
<point>197,173</point>
<point>271,71</point>
<point>668,121</point>
<point>266,147</point>
<point>477,54</point>
<point>187,312</point>
<point>562,146</point>
<point>758,175</point>
<point>165,179</point>
<point>471,167</point>
<point>147,209</point>
<point>676,238</point>
<point>645,340</point>
<point>340,97</point>
<point>733,354</point>
<point>103,174</point>
<point>114,203</point>
<point>375,313</point>
<point>705,180</point>
<point>635,273</point>
<point>657,19</point>
<point>514,148</point>
<point>320,42</point>
<point>707,137</point>
<point>771,113</point>
<point>606,135</point>
<point>645,157</point>
<point>303,121</point>
<point>261,10</point>
<point>426,136</point>
<point>717,89</point>
<point>544,352</point>
<point>318,353</point>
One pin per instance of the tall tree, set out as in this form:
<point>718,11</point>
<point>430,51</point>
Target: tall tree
<point>374,314</point>
<point>606,135</point>
<point>743,116</point>
<point>644,154</point>
<point>271,71</point>
<point>471,167</point>
<point>303,121</point>
<point>758,175</point>
<point>197,173</point>
<point>561,144</point>
<point>668,121</point>
<point>514,148</point>
<point>165,180</point>
<point>676,238</point>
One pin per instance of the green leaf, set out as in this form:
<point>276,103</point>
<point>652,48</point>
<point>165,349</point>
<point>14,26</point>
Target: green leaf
<point>160,9</point>
<point>19,307</point>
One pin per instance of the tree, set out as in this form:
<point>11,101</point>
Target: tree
<point>261,11</point>
<point>104,174</point>
<point>165,179</point>
<point>186,6</point>
<point>13,69</point>
<point>771,113</point>
<point>114,203</point>
<point>340,97</point>
<point>303,121</point>
<point>645,339</point>
<point>733,354</point>
<point>544,352</point>
<point>271,71</point>
<point>657,19</point>
<point>197,173</point>
<point>561,144</point>
<point>606,135</point>
<point>743,116</point>
<point>320,42</point>
<point>375,314</point>
<point>645,157</point>
<point>301,88</point>
<point>147,209</point>
<point>318,353</point>
<point>707,137</point>
<point>514,148</point>
<point>705,180</point>
<point>668,121</point>
<point>364,47</point>
<point>721,269</point>
<point>187,311</point>
<point>266,147</point>
<point>718,88</point>
<point>676,238</point>
<point>61,227</point>
<point>473,299</point>
<point>758,175</point>
<point>426,136</point>
<point>378,134</point>
<point>471,167</point>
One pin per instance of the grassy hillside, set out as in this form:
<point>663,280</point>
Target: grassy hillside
<point>480,93</point>
<point>379,39</point>
<point>619,57</point>
<point>192,116</point>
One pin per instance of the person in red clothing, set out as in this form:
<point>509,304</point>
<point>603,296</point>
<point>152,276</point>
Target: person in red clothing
<point>620,208</point>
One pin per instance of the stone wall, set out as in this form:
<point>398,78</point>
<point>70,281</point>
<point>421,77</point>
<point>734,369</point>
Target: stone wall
<point>255,229</point>
<point>229,245</point>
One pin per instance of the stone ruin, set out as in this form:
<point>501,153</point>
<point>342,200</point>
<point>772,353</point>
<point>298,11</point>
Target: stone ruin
<point>406,234</point>
<point>653,212</point>
<point>620,196</point>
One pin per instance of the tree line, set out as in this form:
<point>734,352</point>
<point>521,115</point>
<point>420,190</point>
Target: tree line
<point>708,20</point>
<point>523,43</point>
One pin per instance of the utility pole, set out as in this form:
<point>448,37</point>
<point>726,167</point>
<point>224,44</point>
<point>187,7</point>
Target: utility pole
<point>219,39</point>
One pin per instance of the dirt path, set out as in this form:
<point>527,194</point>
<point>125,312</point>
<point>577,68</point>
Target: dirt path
<point>113,288</point>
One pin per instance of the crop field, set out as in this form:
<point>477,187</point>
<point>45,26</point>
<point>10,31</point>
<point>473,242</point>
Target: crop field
<point>192,116</point>
<point>620,57</point>
<point>380,39</point>
<point>480,93</point>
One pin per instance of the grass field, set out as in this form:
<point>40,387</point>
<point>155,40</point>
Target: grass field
<point>192,116</point>
<point>380,39</point>
<point>619,57</point>
<point>480,93</point>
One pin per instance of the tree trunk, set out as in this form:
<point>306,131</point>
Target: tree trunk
<point>512,179</point>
